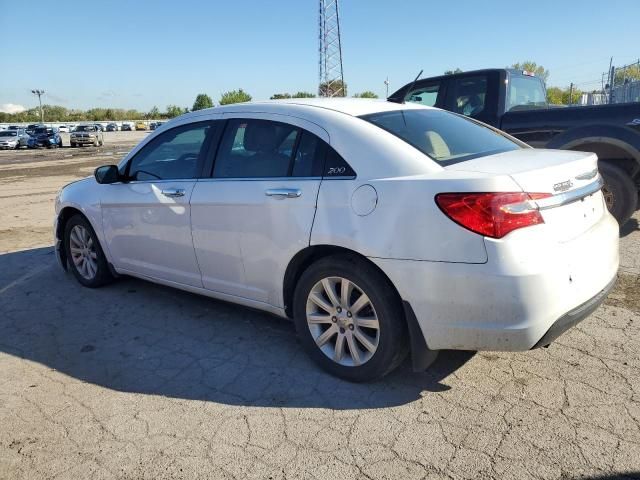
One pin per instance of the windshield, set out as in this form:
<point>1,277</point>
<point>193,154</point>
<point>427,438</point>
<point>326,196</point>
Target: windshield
<point>86,128</point>
<point>443,136</point>
<point>525,93</point>
<point>8,133</point>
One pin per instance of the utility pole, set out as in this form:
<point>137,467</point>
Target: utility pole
<point>331,77</point>
<point>386,84</point>
<point>571,94</point>
<point>39,93</point>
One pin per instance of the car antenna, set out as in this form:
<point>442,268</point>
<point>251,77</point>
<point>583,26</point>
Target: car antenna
<point>411,86</point>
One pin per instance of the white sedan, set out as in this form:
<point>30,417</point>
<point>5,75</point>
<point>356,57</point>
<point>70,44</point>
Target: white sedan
<point>381,229</point>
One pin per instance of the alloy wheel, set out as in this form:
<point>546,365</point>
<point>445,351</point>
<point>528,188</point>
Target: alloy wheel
<point>83,252</point>
<point>609,198</point>
<point>343,321</point>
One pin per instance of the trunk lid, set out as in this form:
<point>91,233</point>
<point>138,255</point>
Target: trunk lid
<point>570,177</point>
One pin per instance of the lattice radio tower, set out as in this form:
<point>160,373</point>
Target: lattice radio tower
<point>331,77</point>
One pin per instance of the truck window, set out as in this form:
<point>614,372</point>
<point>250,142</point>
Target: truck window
<point>424,95</point>
<point>525,93</point>
<point>468,95</point>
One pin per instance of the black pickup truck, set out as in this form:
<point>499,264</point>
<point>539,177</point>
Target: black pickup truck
<point>515,101</point>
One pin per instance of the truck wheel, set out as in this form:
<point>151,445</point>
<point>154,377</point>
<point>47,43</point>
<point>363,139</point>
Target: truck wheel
<point>620,194</point>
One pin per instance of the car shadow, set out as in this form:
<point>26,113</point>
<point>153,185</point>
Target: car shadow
<point>135,336</point>
<point>631,226</point>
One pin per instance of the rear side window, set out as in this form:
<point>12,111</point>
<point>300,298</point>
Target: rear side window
<point>425,95</point>
<point>468,95</point>
<point>255,149</point>
<point>443,136</point>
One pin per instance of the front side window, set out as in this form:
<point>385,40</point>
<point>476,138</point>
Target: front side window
<point>445,137</point>
<point>425,95</point>
<point>256,149</point>
<point>176,154</point>
<point>469,95</point>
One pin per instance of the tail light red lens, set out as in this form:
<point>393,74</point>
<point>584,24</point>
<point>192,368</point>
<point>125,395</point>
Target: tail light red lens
<point>492,214</point>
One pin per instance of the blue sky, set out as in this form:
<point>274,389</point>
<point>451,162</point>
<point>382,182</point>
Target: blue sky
<point>145,53</point>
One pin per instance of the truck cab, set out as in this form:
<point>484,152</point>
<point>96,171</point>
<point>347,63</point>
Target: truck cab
<point>515,101</point>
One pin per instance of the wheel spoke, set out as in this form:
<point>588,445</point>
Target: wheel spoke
<point>362,338</point>
<point>93,255</point>
<point>367,322</point>
<point>346,287</point>
<point>330,290</point>
<point>359,304</point>
<point>90,242</point>
<point>75,250</point>
<point>353,350</point>
<point>319,301</point>
<point>318,318</point>
<point>324,338</point>
<point>75,238</point>
<point>337,354</point>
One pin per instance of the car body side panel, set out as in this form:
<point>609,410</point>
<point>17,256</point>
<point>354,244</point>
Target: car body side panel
<point>406,223</point>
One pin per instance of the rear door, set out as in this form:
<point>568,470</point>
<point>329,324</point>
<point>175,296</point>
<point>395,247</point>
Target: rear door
<point>256,211</point>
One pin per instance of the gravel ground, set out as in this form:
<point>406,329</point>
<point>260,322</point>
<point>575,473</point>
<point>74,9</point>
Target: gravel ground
<point>140,381</point>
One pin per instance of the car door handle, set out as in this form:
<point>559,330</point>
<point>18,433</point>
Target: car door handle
<point>173,192</point>
<point>283,192</point>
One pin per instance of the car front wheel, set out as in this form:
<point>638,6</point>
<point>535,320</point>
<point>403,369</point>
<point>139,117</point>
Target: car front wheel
<point>84,254</point>
<point>350,318</point>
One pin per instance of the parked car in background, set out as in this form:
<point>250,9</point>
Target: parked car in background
<point>31,128</point>
<point>515,101</point>
<point>14,127</point>
<point>63,128</point>
<point>126,127</point>
<point>112,127</point>
<point>86,135</point>
<point>99,127</point>
<point>14,138</point>
<point>140,125</point>
<point>152,126</point>
<point>379,228</point>
<point>48,137</point>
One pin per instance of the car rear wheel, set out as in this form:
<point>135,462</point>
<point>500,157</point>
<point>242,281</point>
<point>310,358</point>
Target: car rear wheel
<point>620,193</point>
<point>350,318</point>
<point>84,254</point>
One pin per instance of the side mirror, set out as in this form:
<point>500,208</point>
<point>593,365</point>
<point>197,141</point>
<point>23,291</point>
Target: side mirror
<point>107,174</point>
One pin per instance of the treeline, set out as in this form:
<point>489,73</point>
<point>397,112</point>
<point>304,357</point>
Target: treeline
<point>56,113</point>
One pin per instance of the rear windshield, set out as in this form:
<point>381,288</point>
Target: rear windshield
<point>443,136</point>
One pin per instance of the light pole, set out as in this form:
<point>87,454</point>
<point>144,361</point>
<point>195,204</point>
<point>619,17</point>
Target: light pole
<point>386,84</point>
<point>39,93</point>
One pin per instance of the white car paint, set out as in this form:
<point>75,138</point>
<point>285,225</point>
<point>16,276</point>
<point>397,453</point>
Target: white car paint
<point>227,240</point>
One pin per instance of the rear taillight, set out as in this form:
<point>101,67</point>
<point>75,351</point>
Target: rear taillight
<point>492,214</point>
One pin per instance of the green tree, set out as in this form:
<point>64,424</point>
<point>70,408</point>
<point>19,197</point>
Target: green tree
<point>451,72</point>
<point>530,66</point>
<point>234,96</point>
<point>563,96</point>
<point>631,73</point>
<point>280,96</point>
<point>153,113</point>
<point>174,111</point>
<point>333,88</point>
<point>202,101</point>
<point>303,95</point>
<point>365,94</point>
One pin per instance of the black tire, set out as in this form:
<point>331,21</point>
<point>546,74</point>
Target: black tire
<point>620,192</point>
<point>393,339</point>
<point>103,275</point>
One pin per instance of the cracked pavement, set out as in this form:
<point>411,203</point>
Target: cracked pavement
<point>139,381</point>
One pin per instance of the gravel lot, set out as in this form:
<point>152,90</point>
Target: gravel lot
<point>140,381</point>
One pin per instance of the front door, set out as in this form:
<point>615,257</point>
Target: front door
<point>147,220</point>
<point>257,210</point>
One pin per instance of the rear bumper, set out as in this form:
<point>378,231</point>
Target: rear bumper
<point>517,300</point>
<point>575,316</point>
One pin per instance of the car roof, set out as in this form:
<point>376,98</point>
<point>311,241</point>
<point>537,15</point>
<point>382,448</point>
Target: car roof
<point>348,106</point>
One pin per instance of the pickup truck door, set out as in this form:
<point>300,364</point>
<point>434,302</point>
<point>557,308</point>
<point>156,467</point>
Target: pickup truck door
<point>474,96</point>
